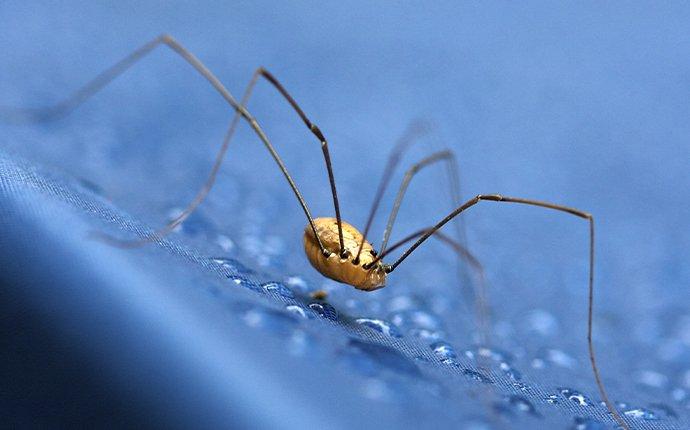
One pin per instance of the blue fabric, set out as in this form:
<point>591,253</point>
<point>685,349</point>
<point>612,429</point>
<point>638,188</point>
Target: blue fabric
<point>585,106</point>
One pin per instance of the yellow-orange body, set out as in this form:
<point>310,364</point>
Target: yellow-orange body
<point>343,269</point>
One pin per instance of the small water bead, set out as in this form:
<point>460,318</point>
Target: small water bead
<point>477,376</point>
<point>415,318</point>
<point>575,396</point>
<point>298,311</point>
<point>297,283</point>
<point>560,358</point>
<point>380,326</point>
<point>376,389</point>
<point>245,283</point>
<point>425,334</point>
<point>582,423</point>
<point>225,243</point>
<point>494,354</point>
<point>324,310</point>
<point>516,403</point>
<point>665,410</point>
<point>278,288</point>
<point>510,371</point>
<point>651,378</point>
<point>443,350</point>
<point>258,317</point>
<point>553,399</point>
<point>637,413</point>
<point>542,322</point>
<point>679,394</point>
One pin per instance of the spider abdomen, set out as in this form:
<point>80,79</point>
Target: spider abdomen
<point>343,269</point>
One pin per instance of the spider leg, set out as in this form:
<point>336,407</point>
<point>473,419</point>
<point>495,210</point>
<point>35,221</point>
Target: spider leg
<point>415,129</point>
<point>590,306</point>
<point>100,81</point>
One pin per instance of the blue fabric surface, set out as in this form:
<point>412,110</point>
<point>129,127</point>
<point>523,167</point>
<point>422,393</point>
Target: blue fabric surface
<point>585,106</point>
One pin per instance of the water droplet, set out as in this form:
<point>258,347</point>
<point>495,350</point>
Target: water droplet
<point>297,283</point>
<point>679,394</point>
<point>278,288</point>
<point>651,378</point>
<point>376,389</point>
<point>298,343</point>
<point>443,350</point>
<point>538,363</point>
<point>515,403</point>
<point>413,318</point>
<point>298,311</point>
<point>425,334</point>
<point>245,283</point>
<point>582,423</point>
<point>637,413</point>
<point>491,353</point>
<point>325,310</point>
<point>225,243</point>
<point>259,317</point>
<point>521,404</point>
<point>477,376</point>
<point>553,399</point>
<point>560,358</point>
<point>510,371</point>
<point>575,396</point>
<point>380,326</point>
<point>665,410</point>
<point>542,322</point>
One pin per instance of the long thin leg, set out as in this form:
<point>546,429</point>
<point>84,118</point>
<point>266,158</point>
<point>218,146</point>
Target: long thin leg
<point>479,296</point>
<point>446,155</point>
<point>414,130</point>
<point>590,311</point>
<point>80,96</point>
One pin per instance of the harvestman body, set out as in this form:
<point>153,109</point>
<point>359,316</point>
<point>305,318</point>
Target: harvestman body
<point>335,248</point>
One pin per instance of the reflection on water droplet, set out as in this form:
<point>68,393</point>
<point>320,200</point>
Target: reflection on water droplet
<point>477,376</point>
<point>325,310</point>
<point>245,283</point>
<point>278,288</point>
<point>443,350</point>
<point>575,396</point>
<point>298,311</point>
<point>582,423</point>
<point>553,399</point>
<point>380,326</point>
<point>637,413</point>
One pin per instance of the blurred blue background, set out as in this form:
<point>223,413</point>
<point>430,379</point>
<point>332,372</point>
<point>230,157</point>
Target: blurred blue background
<point>585,105</point>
